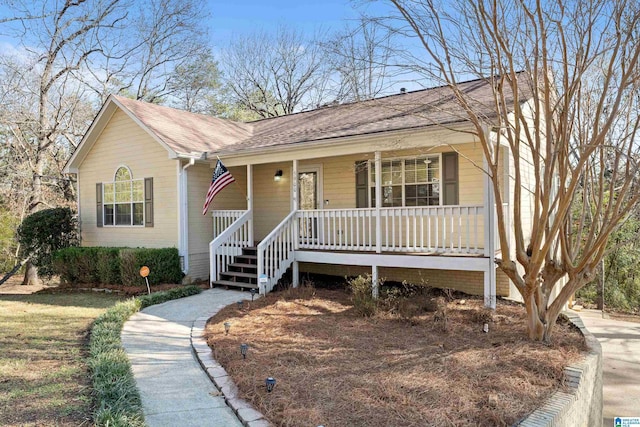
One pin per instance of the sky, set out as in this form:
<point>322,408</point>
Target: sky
<point>231,18</point>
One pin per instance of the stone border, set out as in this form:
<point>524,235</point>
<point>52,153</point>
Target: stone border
<point>581,405</point>
<point>247,414</point>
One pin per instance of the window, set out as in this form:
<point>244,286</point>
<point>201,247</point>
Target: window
<point>408,182</point>
<point>123,199</point>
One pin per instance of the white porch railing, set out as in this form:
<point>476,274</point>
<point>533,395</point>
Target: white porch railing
<point>276,252</point>
<point>426,229</point>
<point>223,219</point>
<point>229,242</point>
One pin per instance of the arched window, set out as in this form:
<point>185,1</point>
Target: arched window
<point>124,199</point>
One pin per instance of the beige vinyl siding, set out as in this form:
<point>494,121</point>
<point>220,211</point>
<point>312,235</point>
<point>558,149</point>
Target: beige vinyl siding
<point>201,226</point>
<point>233,196</point>
<point>272,200</point>
<point>124,143</point>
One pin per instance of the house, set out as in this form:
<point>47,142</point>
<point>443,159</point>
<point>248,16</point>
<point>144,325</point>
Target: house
<point>392,186</point>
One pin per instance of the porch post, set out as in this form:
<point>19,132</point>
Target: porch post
<point>374,281</point>
<point>378,162</point>
<point>295,271</point>
<point>250,201</point>
<point>295,204</point>
<point>489,237</point>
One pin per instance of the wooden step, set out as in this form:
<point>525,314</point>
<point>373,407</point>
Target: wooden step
<point>228,283</point>
<point>250,250</point>
<point>242,266</point>
<point>246,259</point>
<point>239,277</point>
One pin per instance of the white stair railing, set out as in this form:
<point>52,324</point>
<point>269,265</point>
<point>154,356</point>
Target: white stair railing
<point>276,253</point>
<point>228,244</point>
<point>222,219</point>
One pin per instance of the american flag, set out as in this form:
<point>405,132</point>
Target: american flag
<point>221,178</point>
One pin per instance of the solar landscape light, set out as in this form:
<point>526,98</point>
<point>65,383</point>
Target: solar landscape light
<point>243,350</point>
<point>270,383</point>
<point>240,304</point>
<point>253,293</point>
<point>227,326</point>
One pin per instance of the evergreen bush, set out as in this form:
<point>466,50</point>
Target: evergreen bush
<point>117,266</point>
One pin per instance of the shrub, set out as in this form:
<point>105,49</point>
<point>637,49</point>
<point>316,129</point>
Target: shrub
<point>118,400</point>
<point>362,295</point>
<point>163,263</point>
<point>43,233</point>
<point>88,265</point>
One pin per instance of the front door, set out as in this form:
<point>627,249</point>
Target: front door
<point>309,199</point>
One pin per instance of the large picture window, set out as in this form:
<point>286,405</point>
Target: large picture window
<point>408,182</point>
<point>123,199</point>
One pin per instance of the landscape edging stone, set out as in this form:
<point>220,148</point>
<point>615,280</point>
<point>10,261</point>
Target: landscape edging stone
<point>581,404</point>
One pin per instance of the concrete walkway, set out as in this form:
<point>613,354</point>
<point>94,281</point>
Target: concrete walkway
<point>621,364</point>
<point>175,391</point>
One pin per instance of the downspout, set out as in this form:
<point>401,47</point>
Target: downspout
<point>184,216</point>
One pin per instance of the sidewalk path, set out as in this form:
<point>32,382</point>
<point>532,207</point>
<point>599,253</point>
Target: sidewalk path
<point>175,391</point>
<point>621,364</point>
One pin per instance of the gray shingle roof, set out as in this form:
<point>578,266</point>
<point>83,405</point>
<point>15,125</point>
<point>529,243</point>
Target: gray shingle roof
<point>186,132</point>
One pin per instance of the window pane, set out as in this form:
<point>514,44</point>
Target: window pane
<point>123,174</point>
<point>372,168</point>
<point>138,216</point>
<point>123,214</point>
<point>108,193</point>
<point>396,172</point>
<point>421,171</point>
<point>386,173</point>
<point>392,196</point>
<point>434,169</point>
<point>410,171</point>
<point>108,215</point>
<point>123,191</point>
<point>138,191</point>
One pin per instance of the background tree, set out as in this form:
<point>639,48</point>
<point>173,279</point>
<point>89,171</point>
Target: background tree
<point>70,55</point>
<point>360,57</point>
<point>578,135</point>
<point>275,74</point>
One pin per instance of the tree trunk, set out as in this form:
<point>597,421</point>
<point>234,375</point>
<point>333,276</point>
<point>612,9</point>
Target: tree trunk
<point>534,325</point>
<point>30,275</point>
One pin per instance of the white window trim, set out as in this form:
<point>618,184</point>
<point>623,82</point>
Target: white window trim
<point>403,185</point>
<point>131,203</point>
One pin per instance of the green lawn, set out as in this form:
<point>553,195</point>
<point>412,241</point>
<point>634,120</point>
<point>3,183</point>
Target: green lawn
<point>43,342</point>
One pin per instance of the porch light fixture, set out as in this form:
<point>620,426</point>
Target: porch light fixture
<point>278,176</point>
<point>240,304</point>
<point>253,293</point>
<point>243,350</point>
<point>270,383</point>
<point>227,326</point>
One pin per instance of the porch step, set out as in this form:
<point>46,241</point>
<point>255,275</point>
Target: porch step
<point>250,250</point>
<point>238,276</point>
<point>246,259</point>
<point>245,268</point>
<point>229,283</point>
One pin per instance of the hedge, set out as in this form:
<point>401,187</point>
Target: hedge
<point>116,266</point>
<point>118,399</point>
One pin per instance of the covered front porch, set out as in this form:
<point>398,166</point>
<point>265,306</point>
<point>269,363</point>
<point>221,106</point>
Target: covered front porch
<point>440,236</point>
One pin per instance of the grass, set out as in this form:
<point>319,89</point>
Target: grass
<point>335,367</point>
<point>44,377</point>
<point>118,400</point>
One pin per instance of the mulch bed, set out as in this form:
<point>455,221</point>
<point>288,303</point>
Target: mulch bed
<point>335,367</point>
